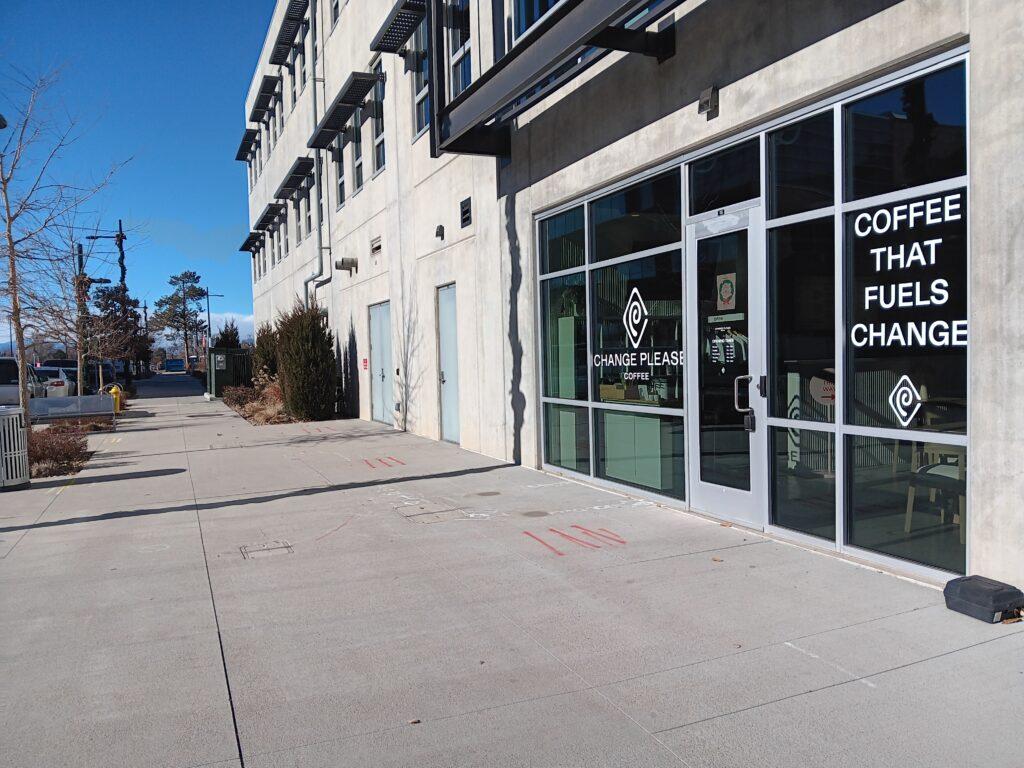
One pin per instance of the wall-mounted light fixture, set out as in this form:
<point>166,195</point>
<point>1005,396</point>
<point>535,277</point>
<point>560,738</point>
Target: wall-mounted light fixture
<point>708,102</point>
<point>347,265</point>
<point>439,232</point>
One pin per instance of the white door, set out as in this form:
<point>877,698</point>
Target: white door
<point>382,389</point>
<point>448,362</point>
<point>725,298</point>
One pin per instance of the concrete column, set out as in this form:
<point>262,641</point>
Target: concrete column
<point>996,455</point>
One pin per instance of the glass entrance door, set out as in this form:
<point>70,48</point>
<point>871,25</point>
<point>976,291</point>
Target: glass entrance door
<point>725,287</point>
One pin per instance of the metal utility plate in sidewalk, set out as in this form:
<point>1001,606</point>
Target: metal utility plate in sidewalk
<point>267,548</point>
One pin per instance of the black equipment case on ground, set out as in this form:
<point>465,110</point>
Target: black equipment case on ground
<point>983,599</point>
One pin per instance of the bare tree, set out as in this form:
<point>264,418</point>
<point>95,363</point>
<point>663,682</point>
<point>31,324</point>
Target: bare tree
<point>33,202</point>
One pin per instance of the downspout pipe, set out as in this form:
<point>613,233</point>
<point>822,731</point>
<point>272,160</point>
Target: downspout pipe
<point>317,170</point>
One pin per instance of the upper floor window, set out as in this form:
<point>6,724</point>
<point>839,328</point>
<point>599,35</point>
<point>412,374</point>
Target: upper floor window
<point>297,209</point>
<point>529,12</point>
<point>460,57</point>
<point>302,57</point>
<point>335,11</point>
<point>292,75</point>
<point>420,73</point>
<point>339,167</point>
<point>284,232</point>
<point>357,150</point>
<point>309,211</point>
<point>279,111</point>
<point>379,155</point>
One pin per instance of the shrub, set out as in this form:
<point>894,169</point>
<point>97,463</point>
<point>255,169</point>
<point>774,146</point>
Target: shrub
<point>307,370</point>
<point>264,351</point>
<point>81,426</point>
<point>56,452</point>
<point>227,338</point>
<point>238,397</point>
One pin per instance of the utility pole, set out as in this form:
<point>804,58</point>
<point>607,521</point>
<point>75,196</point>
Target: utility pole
<point>81,287</point>
<point>145,317</point>
<point>184,320</point>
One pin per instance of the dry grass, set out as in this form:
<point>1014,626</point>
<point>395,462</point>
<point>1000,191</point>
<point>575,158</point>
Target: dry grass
<point>56,452</point>
<point>82,425</point>
<point>260,404</point>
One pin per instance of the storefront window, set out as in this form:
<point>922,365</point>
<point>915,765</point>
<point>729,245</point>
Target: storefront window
<point>562,241</point>
<point>646,451</point>
<point>913,134</point>
<point>724,178</point>
<point>644,216</point>
<point>801,268</point>
<point>564,314</point>
<point>637,332</point>
<point>908,500</point>
<point>803,477</point>
<point>567,437</point>
<point>907,314</point>
<point>800,166</point>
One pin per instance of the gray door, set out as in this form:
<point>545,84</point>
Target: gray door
<point>382,389</point>
<point>448,362</point>
<point>725,289</point>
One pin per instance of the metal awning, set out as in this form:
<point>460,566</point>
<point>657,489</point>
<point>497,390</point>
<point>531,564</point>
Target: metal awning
<point>252,242</point>
<point>569,33</point>
<point>265,95</point>
<point>295,178</point>
<point>269,216</point>
<point>245,148</point>
<point>353,94</point>
<point>399,26</point>
<point>294,16</point>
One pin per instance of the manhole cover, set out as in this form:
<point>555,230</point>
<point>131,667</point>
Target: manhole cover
<point>267,548</point>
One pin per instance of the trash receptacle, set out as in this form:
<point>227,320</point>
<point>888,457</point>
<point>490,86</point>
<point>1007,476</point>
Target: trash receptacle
<point>13,450</point>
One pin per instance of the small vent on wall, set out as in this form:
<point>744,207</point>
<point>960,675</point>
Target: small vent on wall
<point>375,247</point>
<point>466,212</point>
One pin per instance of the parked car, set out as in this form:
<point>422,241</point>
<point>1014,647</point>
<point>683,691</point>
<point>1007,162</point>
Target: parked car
<point>59,381</point>
<point>9,382</point>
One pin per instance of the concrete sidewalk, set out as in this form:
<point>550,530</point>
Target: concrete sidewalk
<point>340,594</point>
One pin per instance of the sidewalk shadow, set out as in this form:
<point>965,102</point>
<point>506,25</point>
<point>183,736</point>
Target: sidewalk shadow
<point>304,492</point>
<point>79,480</point>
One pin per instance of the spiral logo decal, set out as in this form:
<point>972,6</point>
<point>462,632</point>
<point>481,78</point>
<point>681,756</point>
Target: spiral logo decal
<point>905,401</point>
<point>635,318</point>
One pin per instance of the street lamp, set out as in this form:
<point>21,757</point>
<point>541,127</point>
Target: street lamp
<point>209,330</point>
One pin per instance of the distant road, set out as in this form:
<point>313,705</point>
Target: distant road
<point>170,385</point>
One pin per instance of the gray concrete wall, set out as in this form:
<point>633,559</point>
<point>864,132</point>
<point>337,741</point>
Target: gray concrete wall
<point>767,59</point>
<point>996,456</point>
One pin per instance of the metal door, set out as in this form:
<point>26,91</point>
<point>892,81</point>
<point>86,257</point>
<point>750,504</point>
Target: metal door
<point>448,362</point>
<point>725,296</point>
<point>382,388</point>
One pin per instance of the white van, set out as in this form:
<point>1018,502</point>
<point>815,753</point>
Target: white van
<point>9,382</point>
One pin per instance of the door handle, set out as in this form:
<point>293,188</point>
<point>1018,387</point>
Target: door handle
<point>443,379</point>
<point>736,393</point>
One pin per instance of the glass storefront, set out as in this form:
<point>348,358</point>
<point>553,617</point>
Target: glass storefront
<point>798,338</point>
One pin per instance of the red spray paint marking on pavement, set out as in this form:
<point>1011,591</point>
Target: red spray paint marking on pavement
<point>581,542</point>
<point>369,464</point>
<point>383,462</point>
<point>605,536</point>
<point>398,460</point>
<point>538,538</point>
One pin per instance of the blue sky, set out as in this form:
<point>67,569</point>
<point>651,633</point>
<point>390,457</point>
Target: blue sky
<point>162,83</point>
